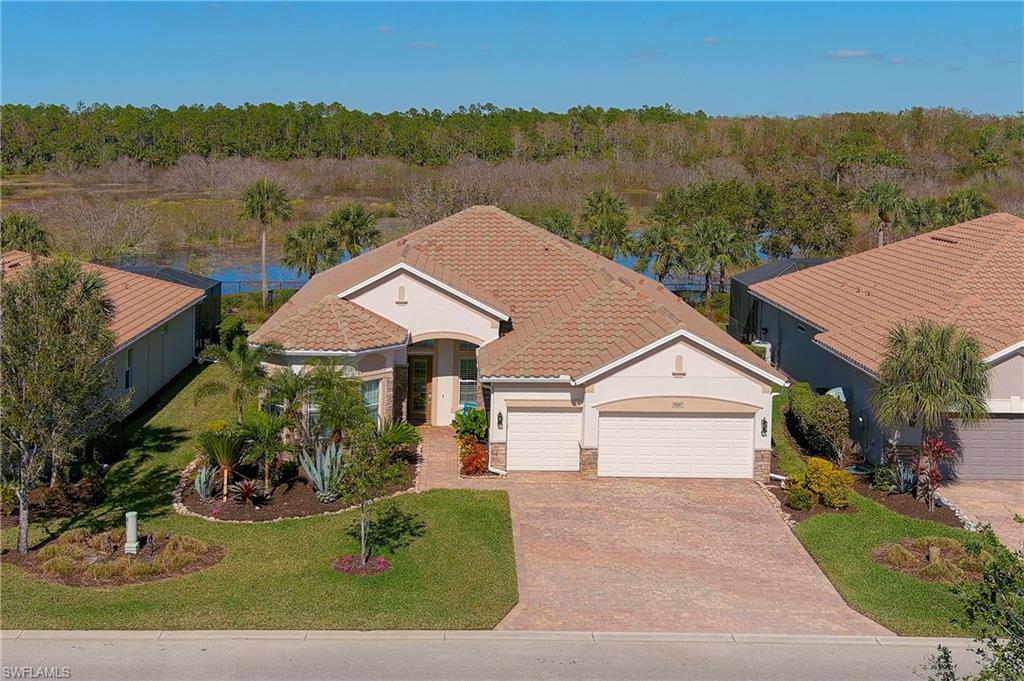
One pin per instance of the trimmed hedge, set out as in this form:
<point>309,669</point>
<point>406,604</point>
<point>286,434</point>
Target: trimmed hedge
<point>759,350</point>
<point>822,421</point>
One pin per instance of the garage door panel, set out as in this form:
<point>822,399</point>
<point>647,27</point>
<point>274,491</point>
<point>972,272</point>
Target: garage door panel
<point>993,450</point>
<point>675,446</point>
<point>543,440</point>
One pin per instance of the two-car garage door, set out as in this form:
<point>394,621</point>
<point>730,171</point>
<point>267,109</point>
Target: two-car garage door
<point>675,446</point>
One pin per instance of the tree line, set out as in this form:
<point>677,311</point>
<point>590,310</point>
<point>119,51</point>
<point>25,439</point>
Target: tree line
<point>49,136</point>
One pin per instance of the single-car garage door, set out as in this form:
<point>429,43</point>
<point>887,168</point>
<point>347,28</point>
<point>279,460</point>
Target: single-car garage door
<point>675,446</point>
<point>543,440</point>
<point>993,450</point>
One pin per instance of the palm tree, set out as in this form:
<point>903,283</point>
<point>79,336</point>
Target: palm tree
<point>288,389</point>
<point>604,216</point>
<point>714,243</point>
<point>886,201</point>
<point>354,229</point>
<point>310,247</point>
<point>264,439</point>
<point>660,248</point>
<point>22,232</point>
<point>965,204</point>
<point>922,215</point>
<point>224,447</point>
<point>264,202</point>
<point>339,398</point>
<point>244,366</point>
<point>561,223</point>
<point>929,371</point>
<point>394,435</point>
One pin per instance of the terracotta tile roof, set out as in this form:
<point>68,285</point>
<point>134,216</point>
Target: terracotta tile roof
<point>140,303</point>
<point>333,324</point>
<point>576,309</point>
<point>971,274</point>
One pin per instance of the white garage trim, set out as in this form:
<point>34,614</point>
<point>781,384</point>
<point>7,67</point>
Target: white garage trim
<point>676,405</point>
<point>675,445</point>
<point>543,440</point>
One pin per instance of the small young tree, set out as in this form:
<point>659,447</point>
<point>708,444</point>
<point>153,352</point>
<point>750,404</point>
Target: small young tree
<point>57,384</point>
<point>368,472</point>
<point>264,440</point>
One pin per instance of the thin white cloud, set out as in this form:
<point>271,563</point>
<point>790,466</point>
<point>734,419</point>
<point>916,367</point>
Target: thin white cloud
<point>897,60</point>
<point>850,54</point>
<point>712,40</point>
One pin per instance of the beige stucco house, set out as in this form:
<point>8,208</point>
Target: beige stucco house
<point>582,364</point>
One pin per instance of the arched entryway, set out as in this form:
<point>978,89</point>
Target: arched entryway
<point>443,377</point>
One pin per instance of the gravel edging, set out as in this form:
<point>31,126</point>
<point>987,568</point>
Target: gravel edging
<point>184,481</point>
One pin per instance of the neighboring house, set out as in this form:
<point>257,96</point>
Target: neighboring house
<point>828,325</point>
<point>207,312</point>
<point>582,364</point>
<point>154,326</point>
<point>743,307</point>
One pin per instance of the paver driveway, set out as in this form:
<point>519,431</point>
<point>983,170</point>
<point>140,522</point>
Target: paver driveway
<point>991,502</point>
<point>655,555</point>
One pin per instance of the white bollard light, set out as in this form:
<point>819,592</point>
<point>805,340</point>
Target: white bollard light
<point>131,532</point>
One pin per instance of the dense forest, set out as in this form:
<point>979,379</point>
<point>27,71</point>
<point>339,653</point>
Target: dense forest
<point>43,137</point>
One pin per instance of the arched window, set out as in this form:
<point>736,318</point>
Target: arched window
<point>401,296</point>
<point>678,371</point>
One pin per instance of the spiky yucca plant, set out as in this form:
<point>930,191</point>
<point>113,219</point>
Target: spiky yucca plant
<point>324,470</point>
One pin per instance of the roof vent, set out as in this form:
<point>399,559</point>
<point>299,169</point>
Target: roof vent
<point>945,239</point>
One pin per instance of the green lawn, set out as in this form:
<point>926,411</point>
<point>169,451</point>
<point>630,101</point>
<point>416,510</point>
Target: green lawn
<point>459,575</point>
<point>841,544</point>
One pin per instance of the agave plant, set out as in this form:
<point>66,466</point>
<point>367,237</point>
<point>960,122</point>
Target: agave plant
<point>324,470</point>
<point>247,492</point>
<point>224,447</point>
<point>204,482</point>
<point>905,480</point>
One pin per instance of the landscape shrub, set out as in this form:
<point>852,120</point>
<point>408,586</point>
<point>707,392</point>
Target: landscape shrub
<point>60,549</point>
<point>822,421</point>
<point>818,472</point>
<point>60,566</point>
<point>143,568</point>
<point>172,562</point>
<point>799,498</point>
<point>230,328</point>
<point>472,456</point>
<point>837,490</point>
<point>900,556</point>
<point>759,350</point>
<point>471,423</point>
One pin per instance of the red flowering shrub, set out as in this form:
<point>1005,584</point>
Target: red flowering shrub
<point>928,466</point>
<point>472,456</point>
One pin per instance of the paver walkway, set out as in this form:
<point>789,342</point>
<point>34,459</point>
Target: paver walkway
<point>653,555</point>
<point>991,502</point>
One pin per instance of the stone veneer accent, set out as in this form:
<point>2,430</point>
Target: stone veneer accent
<point>588,462</point>
<point>498,455</point>
<point>400,391</point>
<point>762,464</point>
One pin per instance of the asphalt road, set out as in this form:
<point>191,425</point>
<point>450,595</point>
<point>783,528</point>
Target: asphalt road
<point>423,656</point>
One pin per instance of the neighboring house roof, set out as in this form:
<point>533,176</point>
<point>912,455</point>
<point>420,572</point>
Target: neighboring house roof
<point>776,268</point>
<point>572,311</point>
<point>332,324</point>
<point>970,274</point>
<point>174,276</point>
<point>141,303</point>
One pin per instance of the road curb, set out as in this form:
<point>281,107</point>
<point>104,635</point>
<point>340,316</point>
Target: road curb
<point>442,636</point>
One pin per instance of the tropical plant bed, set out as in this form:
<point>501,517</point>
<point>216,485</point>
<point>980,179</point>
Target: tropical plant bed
<point>293,498</point>
<point>904,504</point>
<point>79,558</point>
<point>942,560</point>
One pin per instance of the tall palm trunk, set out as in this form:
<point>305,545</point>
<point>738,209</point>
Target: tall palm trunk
<point>225,490</point>
<point>263,262</point>
<point>881,233</point>
<point>266,476</point>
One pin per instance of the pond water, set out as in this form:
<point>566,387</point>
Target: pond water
<point>238,269</point>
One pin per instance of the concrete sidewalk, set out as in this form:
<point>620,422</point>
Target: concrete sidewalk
<point>499,655</point>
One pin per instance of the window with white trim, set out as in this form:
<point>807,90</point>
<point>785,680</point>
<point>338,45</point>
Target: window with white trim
<point>128,368</point>
<point>467,381</point>
<point>371,398</point>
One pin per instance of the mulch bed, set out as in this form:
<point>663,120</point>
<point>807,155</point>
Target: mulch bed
<point>295,498</point>
<point>63,501</point>
<point>955,564</point>
<point>31,564</point>
<point>350,566</point>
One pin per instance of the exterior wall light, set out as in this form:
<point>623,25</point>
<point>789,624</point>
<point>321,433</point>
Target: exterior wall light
<point>764,427</point>
<point>501,420</point>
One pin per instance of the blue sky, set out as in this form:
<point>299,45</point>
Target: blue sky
<point>767,58</point>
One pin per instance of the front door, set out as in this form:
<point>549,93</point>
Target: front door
<point>420,375</point>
